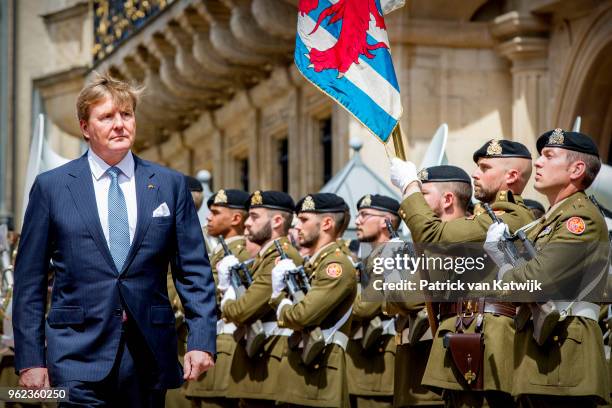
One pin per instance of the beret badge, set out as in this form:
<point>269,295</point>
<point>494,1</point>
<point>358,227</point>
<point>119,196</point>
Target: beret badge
<point>308,204</point>
<point>494,148</point>
<point>556,138</point>
<point>257,199</point>
<point>423,175</point>
<point>221,197</point>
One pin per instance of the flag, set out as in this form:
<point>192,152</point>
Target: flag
<point>342,48</point>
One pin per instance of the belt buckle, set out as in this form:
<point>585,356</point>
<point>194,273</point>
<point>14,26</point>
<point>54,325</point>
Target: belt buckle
<point>469,312</point>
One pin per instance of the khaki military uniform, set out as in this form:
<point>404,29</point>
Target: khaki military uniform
<point>498,369</point>
<point>410,360</point>
<point>572,362</point>
<point>210,390</point>
<point>370,372</point>
<point>332,293</point>
<point>257,377</point>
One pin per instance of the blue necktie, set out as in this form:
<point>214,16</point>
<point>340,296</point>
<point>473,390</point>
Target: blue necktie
<point>118,225</point>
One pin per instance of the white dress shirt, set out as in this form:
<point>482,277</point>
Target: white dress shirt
<point>101,182</point>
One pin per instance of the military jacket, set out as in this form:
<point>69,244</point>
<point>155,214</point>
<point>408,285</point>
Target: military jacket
<point>572,362</point>
<point>426,226</point>
<point>253,304</point>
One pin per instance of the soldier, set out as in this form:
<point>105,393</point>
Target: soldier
<point>315,374</point>
<point>503,170</point>
<point>254,379</point>
<point>228,213</point>
<point>371,349</point>
<point>447,191</point>
<point>571,241</point>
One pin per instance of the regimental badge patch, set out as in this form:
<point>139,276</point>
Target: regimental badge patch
<point>367,201</point>
<point>334,270</point>
<point>575,225</point>
<point>423,175</point>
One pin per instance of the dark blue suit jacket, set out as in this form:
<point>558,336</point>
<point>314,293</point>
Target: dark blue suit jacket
<point>83,326</point>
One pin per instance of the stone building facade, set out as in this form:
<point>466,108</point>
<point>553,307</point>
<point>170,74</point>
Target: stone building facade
<point>223,95</point>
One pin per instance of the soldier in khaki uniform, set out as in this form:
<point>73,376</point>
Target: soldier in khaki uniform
<point>228,213</point>
<point>571,241</point>
<point>326,307</point>
<point>503,170</point>
<point>447,191</point>
<point>255,379</point>
<point>370,371</point>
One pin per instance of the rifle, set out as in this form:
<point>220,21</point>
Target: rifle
<point>235,279</point>
<point>295,279</point>
<point>254,333</point>
<point>507,244</point>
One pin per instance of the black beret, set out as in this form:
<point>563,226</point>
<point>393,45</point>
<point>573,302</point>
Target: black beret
<point>193,183</point>
<point>534,205</point>
<point>576,141</point>
<point>378,202</point>
<point>321,203</point>
<point>273,200</point>
<point>502,148</point>
<point>230,198</point>
<point>444,173</point>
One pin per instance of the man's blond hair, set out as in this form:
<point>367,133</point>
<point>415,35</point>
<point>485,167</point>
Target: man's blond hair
<point>104,85</point>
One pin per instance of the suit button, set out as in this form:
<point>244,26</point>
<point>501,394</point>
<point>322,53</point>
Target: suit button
<point>117,312</point>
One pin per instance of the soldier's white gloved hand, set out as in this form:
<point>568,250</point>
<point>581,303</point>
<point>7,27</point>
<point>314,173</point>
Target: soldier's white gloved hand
<point>402,173</point>
<point>278,276</point>
<point>496,232</point>
<point>223,271</point>
<point>230,294</point>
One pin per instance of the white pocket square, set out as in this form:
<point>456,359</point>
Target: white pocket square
<point>161,211</point>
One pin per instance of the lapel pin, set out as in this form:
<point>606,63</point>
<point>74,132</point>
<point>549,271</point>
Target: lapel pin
<point>150,186</point>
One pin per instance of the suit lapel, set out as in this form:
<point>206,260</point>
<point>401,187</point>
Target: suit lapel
<point>146,198</point>
<point>84,196</point>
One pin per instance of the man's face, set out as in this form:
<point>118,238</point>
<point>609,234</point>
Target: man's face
<point>488,178</point>
<point>552,170</point>
<point>219,220</point>
<point>258,227</point>
<point>433,197</point>
<point>110,129</point>
<point>309,229</point>
<point>368,224</point>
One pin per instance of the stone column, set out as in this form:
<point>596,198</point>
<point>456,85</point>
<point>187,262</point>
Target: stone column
<point>523,43</point>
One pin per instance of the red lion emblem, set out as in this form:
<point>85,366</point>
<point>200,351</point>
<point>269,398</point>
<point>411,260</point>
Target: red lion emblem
<point>352,42</point>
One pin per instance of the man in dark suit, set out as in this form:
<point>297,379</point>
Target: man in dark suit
<point>111,223</point>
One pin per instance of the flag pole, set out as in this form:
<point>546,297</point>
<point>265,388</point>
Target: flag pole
<point>398,145</point>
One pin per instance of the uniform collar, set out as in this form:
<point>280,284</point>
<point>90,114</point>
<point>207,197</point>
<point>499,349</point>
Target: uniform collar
<point>99,167</point>
<point>319,253</point>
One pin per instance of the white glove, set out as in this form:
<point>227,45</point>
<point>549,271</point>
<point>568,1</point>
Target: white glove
<point>402,173</point>
<point>223,271</point>
<point>278,276</point>
<point>230,294</point>
<point>496,232</point>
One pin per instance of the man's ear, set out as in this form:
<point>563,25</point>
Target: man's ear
<point>327,224</point>
<point>84,129</point>
<point>577,170</point>
<point>448,199</point>
<point>512,176</point>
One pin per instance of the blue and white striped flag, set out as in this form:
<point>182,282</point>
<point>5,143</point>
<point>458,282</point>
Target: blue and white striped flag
<point>342,48</point>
